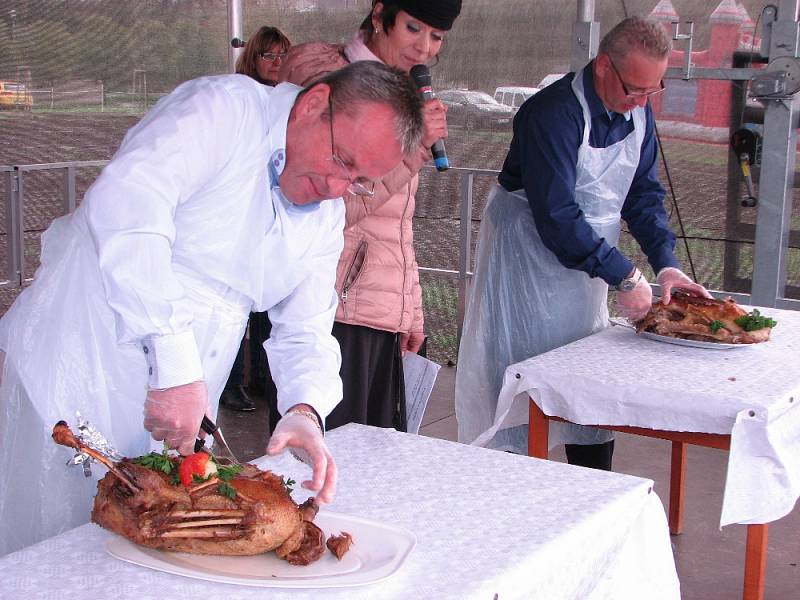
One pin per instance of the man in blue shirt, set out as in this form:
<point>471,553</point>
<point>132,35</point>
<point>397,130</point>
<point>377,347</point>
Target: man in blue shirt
<point>583,156</point>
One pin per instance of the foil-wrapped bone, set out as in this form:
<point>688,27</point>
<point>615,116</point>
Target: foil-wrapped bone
<point>90,437</point>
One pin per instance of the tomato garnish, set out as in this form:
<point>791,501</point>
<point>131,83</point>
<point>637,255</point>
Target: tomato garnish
<point>194,464</point>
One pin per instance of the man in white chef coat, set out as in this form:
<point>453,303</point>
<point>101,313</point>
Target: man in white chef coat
<point>212,208</point>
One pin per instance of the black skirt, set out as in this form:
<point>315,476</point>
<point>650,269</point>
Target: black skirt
<point>372,378</point>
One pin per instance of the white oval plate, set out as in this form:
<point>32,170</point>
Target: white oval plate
<point>691,343</point>
<point>377,552</point>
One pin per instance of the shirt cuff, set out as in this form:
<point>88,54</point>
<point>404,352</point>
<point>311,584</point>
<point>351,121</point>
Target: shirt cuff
<point>616,269</point>
<point>172,360</point>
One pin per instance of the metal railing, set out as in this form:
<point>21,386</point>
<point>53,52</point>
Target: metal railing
<point>464,273</point>
<point>16,273</point>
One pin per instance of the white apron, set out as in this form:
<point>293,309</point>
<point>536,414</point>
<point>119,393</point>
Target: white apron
<point>523,302</point>
<point>63,326</point>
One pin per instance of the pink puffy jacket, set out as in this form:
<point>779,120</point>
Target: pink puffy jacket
<point>377,277</point>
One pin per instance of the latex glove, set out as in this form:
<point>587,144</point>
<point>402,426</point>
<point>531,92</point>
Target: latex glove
<point>670,277</point>
<point>174,414</point>
<point>299,432</point>
<point>433,115</point>
<point>634,305</point>
<point>411,342</point>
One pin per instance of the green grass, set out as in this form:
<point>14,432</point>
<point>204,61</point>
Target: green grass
<point>698,153</point>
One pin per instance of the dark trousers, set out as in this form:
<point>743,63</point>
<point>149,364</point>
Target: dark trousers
<point>594,456</point>
<point>260,328</point>
<point>237,369</point>
<point>372,378</point>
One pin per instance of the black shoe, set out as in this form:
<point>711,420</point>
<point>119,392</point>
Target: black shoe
<point>235,398</point>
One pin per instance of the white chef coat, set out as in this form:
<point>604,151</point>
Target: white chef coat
<point>150,282</point>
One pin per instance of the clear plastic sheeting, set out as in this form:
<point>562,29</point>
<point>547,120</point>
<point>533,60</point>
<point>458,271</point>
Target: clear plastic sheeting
<point>514,278</point>
<point>63,327</point>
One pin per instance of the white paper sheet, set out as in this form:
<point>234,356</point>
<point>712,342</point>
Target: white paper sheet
<point>419,374</point>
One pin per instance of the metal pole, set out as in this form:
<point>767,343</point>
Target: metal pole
<point>585,36</point>
<point>11,271</point>
<point>17,238</point>
<point>234,30</point>
<point>465,250</point>
<point>777,171</point>
<point>69,189</point>
<point>586,10</point>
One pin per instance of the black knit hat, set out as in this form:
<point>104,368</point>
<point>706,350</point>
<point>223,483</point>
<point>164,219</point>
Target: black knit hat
<point>438,14</point>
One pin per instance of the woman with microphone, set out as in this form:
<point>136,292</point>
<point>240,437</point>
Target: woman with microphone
<point>380,299</point>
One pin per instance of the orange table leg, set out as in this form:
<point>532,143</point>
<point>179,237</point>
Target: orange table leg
<point>677,479</point>
<point>538,431</point>
<point>755,562</point>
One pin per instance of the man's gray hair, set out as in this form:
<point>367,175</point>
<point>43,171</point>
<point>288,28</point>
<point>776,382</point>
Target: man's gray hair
<point>636,33</point>
<point>370,81</point>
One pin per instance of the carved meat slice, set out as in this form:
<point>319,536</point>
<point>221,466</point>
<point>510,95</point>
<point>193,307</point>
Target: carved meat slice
<point>703,319</point>
<point>340,544</point>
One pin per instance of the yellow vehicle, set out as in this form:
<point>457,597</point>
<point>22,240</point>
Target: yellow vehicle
<point>14,95</point>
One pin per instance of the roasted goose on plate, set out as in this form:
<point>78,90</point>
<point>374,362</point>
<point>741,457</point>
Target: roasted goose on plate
<point>193,505</point>
<point>706,319</point>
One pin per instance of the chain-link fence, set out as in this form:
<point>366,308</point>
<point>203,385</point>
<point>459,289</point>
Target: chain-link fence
<point>93,67</point>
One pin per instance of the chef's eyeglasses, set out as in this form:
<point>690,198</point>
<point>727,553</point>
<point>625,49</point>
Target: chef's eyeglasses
<point>637,93</point>
<point>272,56</point>
<point>360,186</point>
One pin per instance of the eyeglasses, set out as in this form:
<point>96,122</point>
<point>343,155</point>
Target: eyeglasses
<point>360,186</point>
<point>636,94</point>
<point>272,56</point>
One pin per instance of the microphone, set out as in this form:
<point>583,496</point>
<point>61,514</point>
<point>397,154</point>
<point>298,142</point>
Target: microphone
<point>237,43</point>
<point>421,76</point>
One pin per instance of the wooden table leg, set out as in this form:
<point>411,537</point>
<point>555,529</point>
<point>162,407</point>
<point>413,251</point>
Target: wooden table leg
<point>538,430</point>
<point>677,479</point>
<point>755,562</point>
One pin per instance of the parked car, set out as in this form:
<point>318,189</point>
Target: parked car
<point>15,95</point>
<point>472,108</point>
<point>549,78</point>
<point>514,96</point>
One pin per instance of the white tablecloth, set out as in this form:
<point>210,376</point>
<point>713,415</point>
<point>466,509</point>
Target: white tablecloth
<point>616,377</point>
<point>488,525</point>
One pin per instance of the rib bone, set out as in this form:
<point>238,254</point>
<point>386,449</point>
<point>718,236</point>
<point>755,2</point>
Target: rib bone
<point>191,514</point>
<point>195,524</point>
<point>201,533</point>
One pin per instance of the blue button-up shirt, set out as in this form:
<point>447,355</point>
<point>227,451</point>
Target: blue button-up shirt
<point>542,160</point>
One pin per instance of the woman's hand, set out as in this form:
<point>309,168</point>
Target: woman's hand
<point>434,114</point>
<point>411,342</point>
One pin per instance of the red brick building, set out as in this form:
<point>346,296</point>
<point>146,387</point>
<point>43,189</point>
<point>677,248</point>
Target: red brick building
<point>700,108</point>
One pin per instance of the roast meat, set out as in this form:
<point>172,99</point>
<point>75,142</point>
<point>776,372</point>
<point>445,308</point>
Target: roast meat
<point>706,319</point>
<point>229,513</point>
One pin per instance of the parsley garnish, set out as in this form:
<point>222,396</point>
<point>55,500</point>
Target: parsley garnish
<point>755,320</point>
<point>288,484</point>
<point>199,478</point>
<point>226,490</point>
<point>156,462</point>
<point>715,326</point>
<point>226,473</point>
